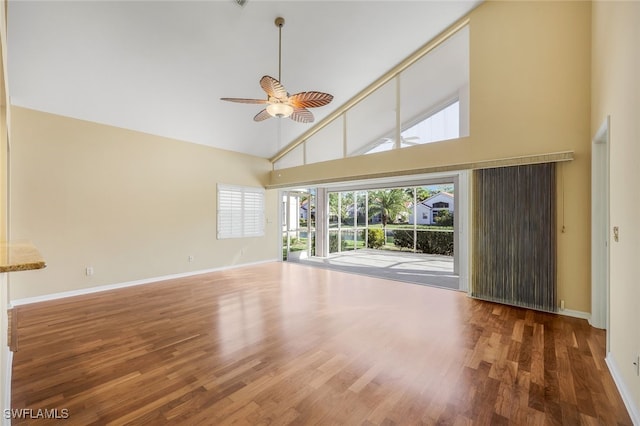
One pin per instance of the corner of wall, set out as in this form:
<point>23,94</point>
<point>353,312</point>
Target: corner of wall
<point>627,398</point>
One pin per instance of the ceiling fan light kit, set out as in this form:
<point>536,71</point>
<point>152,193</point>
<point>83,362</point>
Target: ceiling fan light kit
<point>279,103</point>
<point>280,110</point>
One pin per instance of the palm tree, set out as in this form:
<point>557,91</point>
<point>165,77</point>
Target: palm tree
<point>422,193</point>
<point>340,209</point>
<point>388,203</point>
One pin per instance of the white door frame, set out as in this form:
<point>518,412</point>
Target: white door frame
<point>286,226</point>
<point>600,228</point>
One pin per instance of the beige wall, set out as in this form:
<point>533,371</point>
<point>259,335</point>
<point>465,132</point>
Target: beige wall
<point>131,205</point>
<point>616,92</point>
<point>530,94</point>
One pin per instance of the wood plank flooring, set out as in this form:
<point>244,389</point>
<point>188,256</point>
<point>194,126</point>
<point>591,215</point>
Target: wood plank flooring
<point>283,343</point>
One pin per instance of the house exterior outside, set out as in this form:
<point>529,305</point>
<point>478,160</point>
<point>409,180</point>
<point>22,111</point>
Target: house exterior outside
<point>429,209</point>
<point>304,209</point>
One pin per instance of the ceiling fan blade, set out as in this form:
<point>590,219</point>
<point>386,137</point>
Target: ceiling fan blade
<point>301,115</point>
<point>246,101</point>
<point>273,87</point>
<point>262,115</point>
<point>310,99</point>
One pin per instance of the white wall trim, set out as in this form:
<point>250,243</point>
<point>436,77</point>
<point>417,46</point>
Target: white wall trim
<point>7,385</point>
<point>575,314</point>
<point>90,290</point>
<point>634,411</point>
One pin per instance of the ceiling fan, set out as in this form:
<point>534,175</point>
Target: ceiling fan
<point>279,103</point>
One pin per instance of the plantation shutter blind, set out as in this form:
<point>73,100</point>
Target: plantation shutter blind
<point>253,214</point>
<point>514,259</point>
<point>240,211</point>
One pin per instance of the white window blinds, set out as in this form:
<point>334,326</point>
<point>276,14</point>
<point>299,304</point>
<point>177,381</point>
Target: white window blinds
<point>240,211</point>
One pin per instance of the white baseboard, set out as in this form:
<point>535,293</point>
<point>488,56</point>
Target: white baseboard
<point>575,314</point>
<point>632,408</point>
<point>90,290</point>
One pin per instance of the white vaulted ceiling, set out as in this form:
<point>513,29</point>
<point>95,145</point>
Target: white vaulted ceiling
<point>161,67</point>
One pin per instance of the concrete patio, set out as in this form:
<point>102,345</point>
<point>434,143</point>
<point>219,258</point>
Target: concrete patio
<point>418,268</point>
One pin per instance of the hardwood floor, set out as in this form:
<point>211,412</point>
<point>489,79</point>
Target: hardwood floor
<point>282,343</point>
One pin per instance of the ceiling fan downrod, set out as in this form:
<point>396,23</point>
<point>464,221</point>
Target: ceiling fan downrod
<point>279,23</point>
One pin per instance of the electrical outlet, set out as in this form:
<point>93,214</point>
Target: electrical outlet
<point>616,234</point>
<point>88,271</point>
<point>190,258</point>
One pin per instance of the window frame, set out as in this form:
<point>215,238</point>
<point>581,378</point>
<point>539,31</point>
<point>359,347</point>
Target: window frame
<point>390,137</point>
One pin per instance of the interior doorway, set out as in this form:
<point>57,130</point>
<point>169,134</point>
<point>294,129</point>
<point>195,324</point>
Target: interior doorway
<point>600,229</point>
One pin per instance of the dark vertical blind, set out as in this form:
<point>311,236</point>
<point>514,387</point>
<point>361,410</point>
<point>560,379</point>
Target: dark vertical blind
<point>514,259</point>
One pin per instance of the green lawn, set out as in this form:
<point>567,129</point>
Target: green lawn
<point>297,244</point>
<point>350,244</point>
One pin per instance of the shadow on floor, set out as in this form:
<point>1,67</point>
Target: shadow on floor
<point>417,268</point>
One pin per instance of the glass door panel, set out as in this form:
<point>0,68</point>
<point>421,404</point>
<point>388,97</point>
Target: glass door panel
<point>298,233</point>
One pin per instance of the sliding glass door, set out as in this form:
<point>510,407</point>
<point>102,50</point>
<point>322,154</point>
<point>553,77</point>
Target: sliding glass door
<point>298,224</point>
